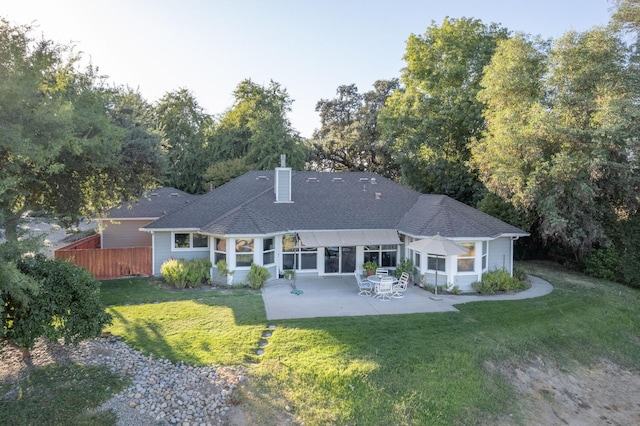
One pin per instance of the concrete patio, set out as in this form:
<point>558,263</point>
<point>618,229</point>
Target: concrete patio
<point>338,297</point>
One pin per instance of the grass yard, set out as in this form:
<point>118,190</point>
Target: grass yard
<point>60,395</point>
<point>395,369</point>
<point>404,369</point>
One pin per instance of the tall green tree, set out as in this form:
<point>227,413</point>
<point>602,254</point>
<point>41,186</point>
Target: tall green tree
<point>60,151</point>
<point>142,165</point>
<point>627,14</point>
<point>349,137</point>
<point>562,139</point>
<point>431,122</point>
<point>184,127</point>
<point>255,132</point>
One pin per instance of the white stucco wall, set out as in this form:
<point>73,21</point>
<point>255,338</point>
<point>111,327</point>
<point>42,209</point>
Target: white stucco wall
<point>500,255</point>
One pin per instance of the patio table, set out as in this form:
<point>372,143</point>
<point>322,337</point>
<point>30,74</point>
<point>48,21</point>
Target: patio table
<point>376,279</point>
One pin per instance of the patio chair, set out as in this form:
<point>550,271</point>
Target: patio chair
<point>385,289</point>
<point>364,286</point>
<point>401,286</point>
<point>383,272</point>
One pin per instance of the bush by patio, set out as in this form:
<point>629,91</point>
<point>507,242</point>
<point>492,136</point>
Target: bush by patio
<point>186,273</point>
<point>257,276</point>
<point>498,281</point>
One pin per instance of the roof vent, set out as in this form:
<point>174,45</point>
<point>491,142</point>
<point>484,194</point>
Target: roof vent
<point>374,181</point>
<point>174,194</point>
<point>312,179</point>
<point>337,179</point>
<point>154,194</point>
<point>262,177</point>
<point>363,179</point>
<point>378,195</point>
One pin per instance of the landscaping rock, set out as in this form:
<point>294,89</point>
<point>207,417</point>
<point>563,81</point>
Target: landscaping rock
<point>161,392</point>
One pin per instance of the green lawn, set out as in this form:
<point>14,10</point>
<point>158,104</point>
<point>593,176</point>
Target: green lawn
<point>404,369</point>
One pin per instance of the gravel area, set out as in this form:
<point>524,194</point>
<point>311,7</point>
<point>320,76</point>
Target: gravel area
<point>162,393</point>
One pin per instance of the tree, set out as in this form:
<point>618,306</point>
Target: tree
<point>60,151</point>
<point>255,132</point>
<point>142,165</point>
<point>349,137</point>
<point>627,14</point>
<point>431,121</point>
<point>64,304</point>
<point>562,141</point>
<point>184,126</point>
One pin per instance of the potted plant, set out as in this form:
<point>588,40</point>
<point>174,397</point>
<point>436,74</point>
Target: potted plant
<point>370,267</point>
<point>224,272</point>
<point>289,274</point>
<point>406,265</point>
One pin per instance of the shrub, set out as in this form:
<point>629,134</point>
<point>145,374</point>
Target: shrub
<point>172,271</point>
<point>198,271</point>
<point>520,274</point>
<point>181,273</point>
<point>498,280</point>
<point>257,276</point>
<point>65,305</point>
<point>405,266</point>
<point>602,263</point>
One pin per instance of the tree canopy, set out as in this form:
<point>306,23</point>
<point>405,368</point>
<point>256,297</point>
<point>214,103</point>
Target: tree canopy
<point>562,135</point>
<point>349,137</point>
<point>431,120</point>
<point>60,150</point>
<point>254,133</point>
<point>184,127</point>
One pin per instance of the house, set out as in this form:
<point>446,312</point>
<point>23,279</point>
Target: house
<point>120,226</point>
<point>325,223</point>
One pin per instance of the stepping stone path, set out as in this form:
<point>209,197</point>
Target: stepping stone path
<point>265,335</point>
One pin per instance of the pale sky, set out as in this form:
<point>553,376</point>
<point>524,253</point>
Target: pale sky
<point>309,47</point>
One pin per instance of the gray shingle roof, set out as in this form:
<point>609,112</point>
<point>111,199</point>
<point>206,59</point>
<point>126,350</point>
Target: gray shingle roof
<point>152,204</point>
<point>433,214</point>
<point>329,201</point>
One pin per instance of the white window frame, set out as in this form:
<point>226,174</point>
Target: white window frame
<point>244,253</point>
<point>272,250</point>
<point>464,256</point>
<point>191,247</point>
<point>217,253</point>
<point>484,256</point>
<point>438,259</point>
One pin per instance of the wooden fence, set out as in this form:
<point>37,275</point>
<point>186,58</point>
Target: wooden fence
<point>107,263</point>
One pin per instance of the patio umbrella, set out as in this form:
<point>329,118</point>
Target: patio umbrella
<point>438,245</point>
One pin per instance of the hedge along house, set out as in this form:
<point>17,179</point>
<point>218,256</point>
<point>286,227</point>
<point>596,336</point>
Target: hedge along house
<point>325,224</point>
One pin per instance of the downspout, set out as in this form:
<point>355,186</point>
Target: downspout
<point>511,254</point>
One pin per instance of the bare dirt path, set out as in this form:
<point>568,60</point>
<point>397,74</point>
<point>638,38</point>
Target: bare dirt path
<point>603,394</point>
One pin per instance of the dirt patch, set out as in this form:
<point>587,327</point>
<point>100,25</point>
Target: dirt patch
<point>603,394</point>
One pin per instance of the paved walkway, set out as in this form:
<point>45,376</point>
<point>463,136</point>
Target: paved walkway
<point>338,297</point>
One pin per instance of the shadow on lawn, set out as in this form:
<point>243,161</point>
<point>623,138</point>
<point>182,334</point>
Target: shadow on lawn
<point>148,335</point>
<point>247,305</point>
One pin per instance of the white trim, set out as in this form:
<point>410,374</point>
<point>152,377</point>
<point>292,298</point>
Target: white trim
<point>153,253</point>
<point>191,247</point>
<point>170,230</point>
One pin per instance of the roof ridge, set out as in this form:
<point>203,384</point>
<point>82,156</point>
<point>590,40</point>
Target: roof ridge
<point>235,209</point>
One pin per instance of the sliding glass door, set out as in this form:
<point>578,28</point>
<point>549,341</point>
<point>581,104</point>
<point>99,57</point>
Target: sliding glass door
<point>339,260</point>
